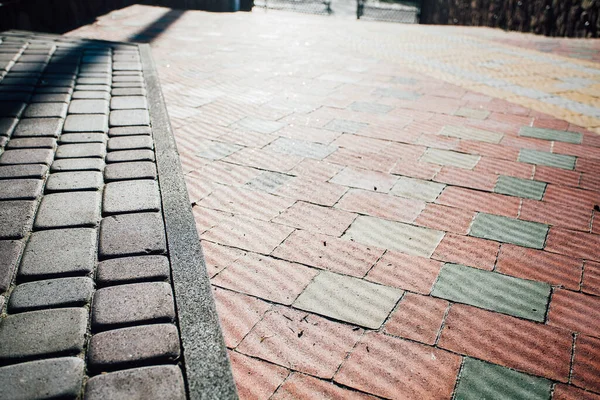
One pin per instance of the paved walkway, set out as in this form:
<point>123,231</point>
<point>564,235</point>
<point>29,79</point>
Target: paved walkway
<point>388,210</point>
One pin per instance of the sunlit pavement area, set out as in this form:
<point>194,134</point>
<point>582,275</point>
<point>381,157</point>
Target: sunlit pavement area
<point>387,210</point>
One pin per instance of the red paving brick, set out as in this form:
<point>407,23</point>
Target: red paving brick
<point>502,167</point>
<point>255,379</point>
<point>318,219</point>
<point>473,200</point>
<point>577,312</point>
<point>264,159</point>
<point>312,191</point>
<point>206,218</point>
<point>417,318</point>
<point>571,197</point>
<point>416,169</point>
<point>301,386</point>
<point>217,257</point>
<point>397,368</point>
<point>574,244</point>
<point>467,250</point>
<point>365,179</point>
<point>489,150</point>
<point>568,392</point>
<point>466,178</point>
<point>555,214</point>
<point>557,176</point>
<point>381,205</point>
<point>500,339</point>
<point>316,170</point>
<point>586,363</point>
<point>445,218</point>
<point>591,278</point>
<point>362,159</point>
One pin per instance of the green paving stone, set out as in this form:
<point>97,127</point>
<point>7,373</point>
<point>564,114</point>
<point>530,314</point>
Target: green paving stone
<point>464,132</point>
<point>520,187</point>
<point>548,159</point>
<point>509,230</point>
<point>493,291</point>
<point>481,380</point>
<point>551,134</point>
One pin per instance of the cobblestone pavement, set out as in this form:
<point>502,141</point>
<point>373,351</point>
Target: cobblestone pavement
<point>387,210</point>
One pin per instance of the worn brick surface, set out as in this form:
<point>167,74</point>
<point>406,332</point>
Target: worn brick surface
<point>586,368</point>
<point>474,252</point>
<point>39,127</point>
<point>568,392</point>
<point>473,200</point>
<point>575,311</point>
<point>255,379</point>
<point>31,143</point>
<point>88,107</point>
<point>86,123</point>
<point>46,110</point>
<point>418,189</point>
<point>520,187</point>
<point>129,118</point>
<point>591,278</point>
<point>449,158</point>
<point>445,218</point>
<point>81,150</point>
<point>37,171</point>
<point>52,293</point>
<point>132,234</point>
<point>381,205</point>
<point>365,179</point>
<point>130,143</point>
<point>323,193</point>
<point>317,219</point>
<point>133,269</point>
<point>574,244</point>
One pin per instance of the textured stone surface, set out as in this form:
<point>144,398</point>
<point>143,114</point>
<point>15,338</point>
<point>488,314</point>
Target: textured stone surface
<point>133,269</point>
<point>128,103</point>
<point>551,134</point>
<point>10,250</point>
<point>132,234</point>
<point>87,94</point>
<point>417,189</point>
<point>86,123</point>
<point>129,118</point>
<point>129,130</point>
<point>129,155</point>
<point>130,143</point>
<point>26,156</point>
<point>52,293</point>
<point>77,164</point>
<point>131,196</point>
<point>547,159</point>
<point>130,170</point>
<point>81,150</point>
<point>509,230</point>
<point>45,110</point>
<point>16,217</point>
<point>20,189</point>
<point>39,127</point>
<point>37,171</point>
<point>520,187</point>
<point>31,143</point>
<point>471,134</point>
<point>71,138</point>
<point>60,210</point>
<point>450,158</point>
<point>88,107</point>
<point>74,180</point>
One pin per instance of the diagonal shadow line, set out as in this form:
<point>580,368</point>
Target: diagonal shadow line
<point>149,33</point>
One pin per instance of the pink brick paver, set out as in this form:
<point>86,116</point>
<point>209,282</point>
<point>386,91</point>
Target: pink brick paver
<point>293,131</point>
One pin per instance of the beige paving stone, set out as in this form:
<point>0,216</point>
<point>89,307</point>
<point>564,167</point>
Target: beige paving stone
<point>452,158</point>
<point>463,132</point>
<point>417,189</point>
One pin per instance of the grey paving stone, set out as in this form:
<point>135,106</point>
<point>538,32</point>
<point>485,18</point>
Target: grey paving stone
<point>54,89</point>
<point>129,130</point>
<point>482,380</point>
<point>35,58</point>
<point>551,134</point>
<point>128,92</point>
<point>59,252</point>
<point>472,113</point>
<point>14,88</point>
<point>128,103</point>
<point>348,299</point>
<point>132,234</point>
<point>78,164</point>
<point>131,196</point>
<point>213,150</point>
<point>86,94</point>
<point>130,143</point>
<point>128,84</point>
<point>23,171</point>
<point>127,57</point>
<point>43,333</point>
<point>10,251</point>
<point>7,126</point>
<point>163,382</point>
<point>509,230</point>
<point>44,110</point>
<point>134,303</point>
<point>95,59</point>
<point>129,118</point>
<point>58,82</point>
<point>132,269</point>
<point>3,141</point>
<point>518,187</point>
<point>547,159</point>
<point>32,143</point>
<point>129,170</point>
<point>394,235</point>
<point>397,93</point>
<point>93,88</point>
<point>417,189</point>
<point>127,66</point>
<point>451,158</point>
<point>26,156</point>
<point>128,78</point>
<point>51,98</point>
<point>71,138</point>
<point>52,293</point>
<point>129,156</point>
<point>12,108</point>
<point>12,80</point>
<point>81,150</point>
<point>467,133</point>
<point>20,189</point>
<point>268,181</point>
<point>134,346</point>
<point>71,209</point>
<point>86,123</point>
<point>97,106</point>
<point>16,218</point>
<point>56,378</point>
<point>39,127</point>
<point>258,125</point>
<point>302,148</point>
<point>492,291</point>
<point>345,126</point>
<point>375,108</point>
<point>103,79</point>
<point>74,180</point>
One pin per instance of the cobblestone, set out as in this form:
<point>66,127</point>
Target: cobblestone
<point>20,189</point>
<point>129,131</point>
<point>26,156</point>
<point>132,234</point>
<point>129,170</point>
<point>39,127</point>
<point>37,171</point>
<point>16,218</point>
<point>63,210</point>
<point>31,143</point>
<point>74,180</point>
<point>86,123</point>
<point>128,103</point>
<point>129,156</point>
<point>130,143</point>
<point>11,251</point>
<point>133,269</point>
<point>77,164</point>
<point>129,118</point>
<point>53,293</point>
<point>71,138</point>
<point>131,196</point>
<point>46,110</point>
<point>83,106</point>
<point>81,150</point>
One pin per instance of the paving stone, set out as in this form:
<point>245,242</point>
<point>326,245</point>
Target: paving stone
<point>74,180</point>
<point>128,84</point>
<point>86,123</point>
<point>134,303</point>
<point>128,103</point>
<point>77,164</point>
<point>129,118</point>
<point>509,230</point>
<point>51,98</point>
<point>518,187</point>
<point>93,88</point>
<point>301,148</point>
<point>451,158</point>
<point>81,150</point>
<point>130,143</point>
<point>26,156</point>
<point>16,218</point>
<point>130,155</point>
<point>258,125</point>
<point>46,110</point>
<point>43,333</point>
<point>127,66</point>
<point>133,269</point>
<point>215,150</point>
<point>72,209</point>
<point>59,252</point>
<point>73,138</point>
<point>467,133</point>
<point>492,291</point>
<point>88,107</point>
<point>481,380</point>
<point>394,235</point>
<point>547,159</point>
<point>268,181</point>
<point>12,108</point>
<point>132,234</point>
<point>39,127</point>
<point>10,251</point>
<point>366,107</point>
<point>20,189</point>
<point>129,130</point>
<point>472,113</point>
<point>7,125</point>
<point>86,94</point>
<point>131,196</point>
<point>348,299</point>
<point>551,134</point>
<point>53,293</point>
<point>54,89</point>
<point>102,79</point>
<point>163,382</point>
<point>32,143</point>
<point>417,189</point>
<point>128,92</point>
<point>396,93</point>
<point>56,378</point>
<point>345,126</point>
<point>129,170</point>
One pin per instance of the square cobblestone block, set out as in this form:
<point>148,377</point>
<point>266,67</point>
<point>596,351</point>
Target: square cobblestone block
<point>16,218</point>
<point>26,156</point>
<point>46,110</point>
<point>129,156</point>
<point>129,131</point>
<point>73,138</point>
<point>128,103</point>
<point>551,134</point>
<point>86,94</point>
<point>451,158</point>
<point>93,88</point>
<point>133,269</point>
<point>127,66</point>
<point>134,303</point>
<point>56,378</point>
<point>86,123</point>
<point>20,189</point>
<point>78,164</point>
<point>348,299</point>
<point>132,234</point>
<point>509,230</point>
<point>62,210</point>
<point>59,252</point>
<point>131,196</point>
<point>7,126</point>
<point>74,180</point>
<point>81,150</point>
<point>130,143</point>
<point>129,118</point>
<point>10,251</point>
<point>12,108</point>
<point>417,189</point>
<point>128,84</point>
<point>88,107</point>
<point>129,170</point>
<point>493,291</point>
<point>548,159</point>
<point>101,79</point>
<point>53,293</point>
<point>467,133</point>
<point>43,333</point>
<point>518,187</point>
<point>51,98</point>
<point>32,143</point>
<point>128,92</point>
<point>39,127</point>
